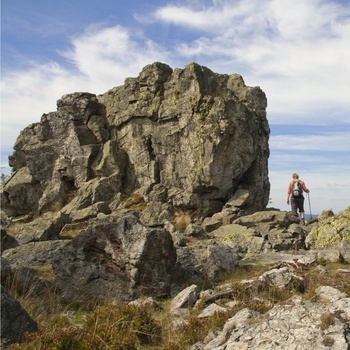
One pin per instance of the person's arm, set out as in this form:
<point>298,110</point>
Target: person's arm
<point>289,192</point>
<point>303,186</point>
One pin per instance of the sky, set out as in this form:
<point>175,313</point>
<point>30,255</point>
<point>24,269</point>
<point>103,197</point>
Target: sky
<point>297,51</point>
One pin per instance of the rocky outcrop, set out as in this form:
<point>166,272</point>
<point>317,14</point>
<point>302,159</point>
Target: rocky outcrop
<point>55,158</point>
<point>99,184</point>
<point>188,137</point>
<point>322,322</point>
<point>149,259</point>
<point>158,184</point>
<point>319,324</point>
<point>112,258</point>
<point>247,237</point>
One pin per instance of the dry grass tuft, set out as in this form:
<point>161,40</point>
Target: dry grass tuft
<point>328,341</point>
<point>326,320</point>
<point>182,219</point>
<point>71,230</point>
<point>135,202</point>
<point>118,327</point>
<point>192,331</point>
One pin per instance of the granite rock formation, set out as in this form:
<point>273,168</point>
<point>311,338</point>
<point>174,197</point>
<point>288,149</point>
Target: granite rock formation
<point>187,137</point>
<point>122,167</point>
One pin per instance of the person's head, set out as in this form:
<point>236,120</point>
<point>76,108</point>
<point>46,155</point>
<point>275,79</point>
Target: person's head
<point>295,176</point>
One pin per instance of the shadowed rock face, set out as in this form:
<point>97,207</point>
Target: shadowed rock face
<point>15,321</point>
<point>187,137</point>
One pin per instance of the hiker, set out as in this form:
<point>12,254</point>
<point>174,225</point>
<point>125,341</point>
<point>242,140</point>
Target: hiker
<point>295,196</point>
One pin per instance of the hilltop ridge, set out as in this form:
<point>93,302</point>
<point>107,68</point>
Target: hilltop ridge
<point>158,185</point>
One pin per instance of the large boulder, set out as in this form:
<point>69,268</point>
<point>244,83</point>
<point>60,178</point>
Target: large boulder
<point>198,135</point>
<point>202,135</point>
<point>115,259</point>
<point>332,232</point>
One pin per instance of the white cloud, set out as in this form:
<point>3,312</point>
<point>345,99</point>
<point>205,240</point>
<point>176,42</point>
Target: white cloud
<point>27,94</point>
<point>296,51</point>
<point>240,17</point>
<point>337,141</point>
<point>109,55</point>
<point>291,20</point>
<point>100,58</point>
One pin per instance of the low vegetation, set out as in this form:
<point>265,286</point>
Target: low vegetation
<point>182,219</point>
<point>97,325</point>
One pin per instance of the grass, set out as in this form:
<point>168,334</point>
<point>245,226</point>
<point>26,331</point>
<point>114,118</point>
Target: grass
<point>69,231</point>
<point>106,327</point>
<point>335,279</point>
<point>45,272</point>
<point>326,320</point>
<point>135,202</point>
<point>182,219</point>
<point>99,325</point>
<point>192,330</point>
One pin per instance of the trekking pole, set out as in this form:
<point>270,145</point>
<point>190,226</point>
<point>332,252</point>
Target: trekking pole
<point>308,196</point>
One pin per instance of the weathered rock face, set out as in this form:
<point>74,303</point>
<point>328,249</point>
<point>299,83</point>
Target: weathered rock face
<point>322,324</point>
<point>188,137</point>
<point>204,135</point>
<point>117,260</point>
<point>55,157</point>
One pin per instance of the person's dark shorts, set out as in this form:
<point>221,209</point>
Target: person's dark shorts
<point>297,203</point>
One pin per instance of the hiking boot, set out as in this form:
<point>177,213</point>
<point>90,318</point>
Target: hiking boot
<point>302,222</point>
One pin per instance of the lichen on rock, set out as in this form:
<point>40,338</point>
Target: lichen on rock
<point>201,135</point>
<point>331,232</point>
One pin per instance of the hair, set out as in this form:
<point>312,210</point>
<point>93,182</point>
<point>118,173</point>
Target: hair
<point>295,176</point>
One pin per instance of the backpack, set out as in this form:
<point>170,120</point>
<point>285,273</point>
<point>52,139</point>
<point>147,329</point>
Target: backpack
<point>296,189</point>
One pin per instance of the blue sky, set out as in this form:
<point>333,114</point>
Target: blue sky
<point>297,51</point>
